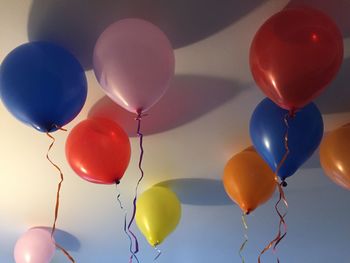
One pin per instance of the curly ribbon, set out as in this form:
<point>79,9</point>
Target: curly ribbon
<point>125,224</point>
<point>58,192</point>
<point>118,196</point>
<point>282,197</point>
<point>274,243</point>
<point>140,135</point>
<point>159,252</point>
<point>245,226</point>
<point>65,252</point>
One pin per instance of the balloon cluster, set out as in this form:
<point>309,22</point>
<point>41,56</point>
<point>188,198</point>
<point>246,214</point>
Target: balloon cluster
<point>293,57</point>
<point>45,87</point>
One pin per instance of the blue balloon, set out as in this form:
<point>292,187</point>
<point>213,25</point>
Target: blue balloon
<point>268,129</point>
<point>43,85</point>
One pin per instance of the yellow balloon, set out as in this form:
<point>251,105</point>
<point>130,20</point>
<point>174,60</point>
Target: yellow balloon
<point>158,213</point>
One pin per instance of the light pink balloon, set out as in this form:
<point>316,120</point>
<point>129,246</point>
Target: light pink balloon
<point>134,63</point>
<point>35,246</point>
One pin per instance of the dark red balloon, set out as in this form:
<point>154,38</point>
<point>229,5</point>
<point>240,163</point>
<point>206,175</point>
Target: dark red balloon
<point>98,150</point>
<point>294,55</point>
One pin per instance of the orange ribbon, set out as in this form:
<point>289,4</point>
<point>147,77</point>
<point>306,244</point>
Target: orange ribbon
<point>282,196</point>
<point>57,194</point>
<point>244,223</point>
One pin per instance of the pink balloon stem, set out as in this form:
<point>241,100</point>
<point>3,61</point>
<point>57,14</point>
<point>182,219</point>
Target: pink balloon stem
<point>140,135</point>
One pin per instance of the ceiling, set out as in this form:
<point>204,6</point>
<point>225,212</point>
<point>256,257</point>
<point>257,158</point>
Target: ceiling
<point>190,134</point>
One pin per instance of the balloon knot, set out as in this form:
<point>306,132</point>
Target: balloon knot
<point>284,183</point>
<point>117,182</point>
<point>292,113</point>
<point>140,115</point>
<point>156,244</point>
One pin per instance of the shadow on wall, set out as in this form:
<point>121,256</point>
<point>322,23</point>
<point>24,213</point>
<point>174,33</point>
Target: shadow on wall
<point>338,10</point>
<point>336,98</point>
<point>198,191</point>
<point>76,24</point>
<point>65,239</point>
<point>188,98</point>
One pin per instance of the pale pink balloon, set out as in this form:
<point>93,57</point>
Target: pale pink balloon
<point>134,63</point>
<point>35,246</point>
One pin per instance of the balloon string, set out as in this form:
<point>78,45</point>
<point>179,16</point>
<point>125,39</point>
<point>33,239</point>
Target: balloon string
<point>125,224</point>
<point>59,186</point>
<point>140,135</point>
<point>159,253</point>
<point>118,196</point>
<point>65,252</point>
<point>282,196</point>
<point>245,226</point>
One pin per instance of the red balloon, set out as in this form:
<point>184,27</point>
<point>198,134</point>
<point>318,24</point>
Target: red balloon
<point>294,55</point>
<point>98,150</point>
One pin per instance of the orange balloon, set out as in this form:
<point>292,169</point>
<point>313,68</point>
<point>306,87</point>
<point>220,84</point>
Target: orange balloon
<point>248,180</point>
<point>335,156</point>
